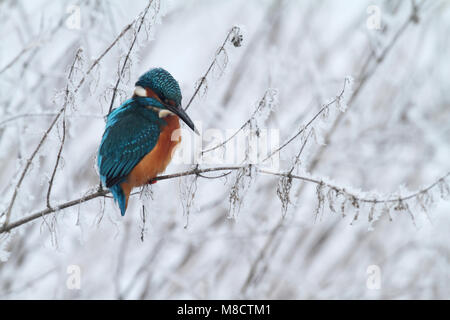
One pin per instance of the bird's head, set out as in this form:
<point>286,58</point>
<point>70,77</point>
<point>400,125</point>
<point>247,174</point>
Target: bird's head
<point>159,85</point>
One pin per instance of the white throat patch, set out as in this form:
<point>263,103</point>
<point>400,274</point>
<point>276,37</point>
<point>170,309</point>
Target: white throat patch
<point>139,91</point>
<point>162,113</point>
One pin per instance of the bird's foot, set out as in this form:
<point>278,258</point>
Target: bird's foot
<point>151,181</point>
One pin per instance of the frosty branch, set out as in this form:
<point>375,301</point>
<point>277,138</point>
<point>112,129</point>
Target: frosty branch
<point>127,57</point>
<point>54,121</point>
<point>41,142</point>
<point>302,129</point>
<point>355,198</point>
<point>236,39</point>
<point>67,99</point>
<point>322,186</point>
<point>261,105</point>
<point>36,43</point>
<point>364,77</point>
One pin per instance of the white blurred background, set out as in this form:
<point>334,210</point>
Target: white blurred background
<point>392,141</point>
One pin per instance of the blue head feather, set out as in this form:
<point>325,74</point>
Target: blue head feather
<point>162,83</point>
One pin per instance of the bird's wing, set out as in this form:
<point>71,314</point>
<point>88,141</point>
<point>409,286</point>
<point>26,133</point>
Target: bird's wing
<point>127,139</point>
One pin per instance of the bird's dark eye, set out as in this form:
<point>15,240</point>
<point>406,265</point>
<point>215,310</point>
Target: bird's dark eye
<point>164,99</point>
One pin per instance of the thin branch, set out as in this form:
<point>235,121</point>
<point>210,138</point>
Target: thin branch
<point>66,102</point>
<point>261,104</point>
<point>303,128</point>
<point>63,139</point>
<point>297,157</point>
<point>36,43</point>
<point>202,80</point>
<point>51,114</point>
<point>100,193</point>
<point>127,57</point>
<point>43,213</point>
<point>27,167</point>
<point>41,142</point>
<point>103,54</point>
<point>342,190</point>
<point>285,182</point>
<point>364,76</point>
<point>30,46</point>
<point>198,172</point>
<point>26,115</point>
<point>50,128</point>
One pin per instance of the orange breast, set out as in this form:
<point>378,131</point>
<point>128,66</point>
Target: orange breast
<point>156,161</point>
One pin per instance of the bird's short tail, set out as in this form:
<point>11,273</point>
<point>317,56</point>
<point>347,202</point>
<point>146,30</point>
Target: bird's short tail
<point>121,197</point>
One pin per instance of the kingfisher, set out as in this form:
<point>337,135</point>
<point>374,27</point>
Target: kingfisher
<point>141,135</point>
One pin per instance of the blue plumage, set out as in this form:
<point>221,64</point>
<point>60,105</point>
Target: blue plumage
<point>162,83</point>
<point>133,130</point>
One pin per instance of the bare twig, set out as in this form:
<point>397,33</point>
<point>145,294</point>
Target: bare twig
<point>30,46</point>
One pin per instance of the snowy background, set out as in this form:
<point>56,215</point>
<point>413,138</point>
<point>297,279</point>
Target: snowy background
<point>184,237</point>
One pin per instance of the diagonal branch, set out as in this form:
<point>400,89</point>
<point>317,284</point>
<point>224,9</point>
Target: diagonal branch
<point>235,31</point>
<point>127,57</point>
<point>303,128</point>
<point>50,128</point>
<point>365,75</point>
<point>261,104</point>
<point>41,142</point>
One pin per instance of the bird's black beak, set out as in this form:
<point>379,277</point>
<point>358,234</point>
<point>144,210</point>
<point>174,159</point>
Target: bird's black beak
<point>179,111</point>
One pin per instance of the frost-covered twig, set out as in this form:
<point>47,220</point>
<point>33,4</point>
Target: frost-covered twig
<point>67,99</point>
<point>354,196</point>
<point>50,114</point>
<point>127,57</point>
<point>262,104</point>
<point>103,54</point>
<point>304,127</point>
<point>285,182</point>
<point>36,43</point>
<point>101,193</point>
<point>365,75</point>
<point>54,121</point>
<point>41,142</point>
<point>196,171</point>
<point>235,31</point>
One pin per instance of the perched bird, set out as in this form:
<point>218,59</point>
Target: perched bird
<point>141,134</point>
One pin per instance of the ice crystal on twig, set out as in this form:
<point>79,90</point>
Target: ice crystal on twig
<point>244,178</point>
